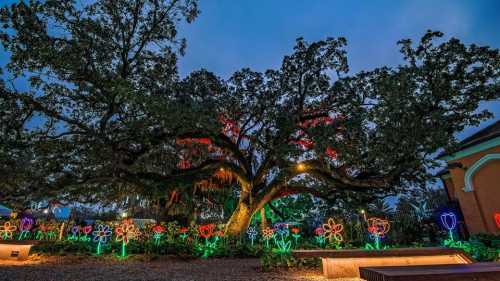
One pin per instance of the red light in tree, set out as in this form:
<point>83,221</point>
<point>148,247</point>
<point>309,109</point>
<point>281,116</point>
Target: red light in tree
<point>330,152</point>
<point>497,220</point>
<point>190,141</point>
<point>184,164</point>
<point>304,143</point>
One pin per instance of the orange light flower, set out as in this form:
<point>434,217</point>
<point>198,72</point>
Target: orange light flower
<point>7,230</point>
<point>332,230</point>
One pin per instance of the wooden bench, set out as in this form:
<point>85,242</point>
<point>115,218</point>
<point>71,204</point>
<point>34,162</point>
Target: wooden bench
<point>346,263</point>
<point>452,272</point>
<point>15,249</point>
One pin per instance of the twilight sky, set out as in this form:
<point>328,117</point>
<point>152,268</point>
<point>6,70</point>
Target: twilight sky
<point>231,34</point>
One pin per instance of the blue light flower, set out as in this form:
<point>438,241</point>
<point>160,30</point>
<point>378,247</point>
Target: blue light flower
<point>449,220</point>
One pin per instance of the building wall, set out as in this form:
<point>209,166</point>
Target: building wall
<point>478,205</point>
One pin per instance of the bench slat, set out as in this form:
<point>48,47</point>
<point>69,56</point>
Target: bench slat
<point>454,272</point>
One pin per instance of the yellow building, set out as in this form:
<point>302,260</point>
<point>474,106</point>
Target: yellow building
<point>473,179</point>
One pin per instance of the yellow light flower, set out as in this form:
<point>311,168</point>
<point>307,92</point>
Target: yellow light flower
<point>332,231</point>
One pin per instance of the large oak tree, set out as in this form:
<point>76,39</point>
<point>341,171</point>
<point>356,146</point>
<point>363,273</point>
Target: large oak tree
<point>114,119</point>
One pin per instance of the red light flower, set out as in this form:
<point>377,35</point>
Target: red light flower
<point>378,226</point>
<point>183,229</point>
<point>319,231</point>
<point>206,231</point>
<point>87,229</point>
<point>158,228</point>
<point>497,220</point>
<point>295,230</point>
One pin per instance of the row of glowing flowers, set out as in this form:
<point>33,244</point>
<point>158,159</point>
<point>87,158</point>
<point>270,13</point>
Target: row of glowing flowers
<point>126,230</point>
<point>100,232</point>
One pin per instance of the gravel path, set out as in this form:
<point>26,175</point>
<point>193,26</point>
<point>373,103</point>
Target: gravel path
<point>171,269</point>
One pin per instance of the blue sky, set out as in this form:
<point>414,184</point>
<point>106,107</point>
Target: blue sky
<point>232,34</point>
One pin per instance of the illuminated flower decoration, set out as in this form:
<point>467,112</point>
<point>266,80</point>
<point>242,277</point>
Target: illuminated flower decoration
<point>102,233</point>
<point>497,220</point>
<point>295,230</point>
<point>26,224</point>
<point>320,235</point>
<point>183,229</point>
<point>87,229</point>
<point>333,231</point>
<point>126,232</point>
<point>378,227</point>
<point>267,233</point>
<point>319,231</point>
<point>207,230</point>
<point>281,228</point>
<point>7,230</point>
<point>252,233</point>
<point>75,230</point>
<point>183,232</point>
<point>449,220</point>
<point>158,229</point>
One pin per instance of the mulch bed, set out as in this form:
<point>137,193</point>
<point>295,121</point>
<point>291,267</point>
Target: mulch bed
<point>41,268</point>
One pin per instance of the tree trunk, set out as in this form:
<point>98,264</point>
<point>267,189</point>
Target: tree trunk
<point>246,209</point>
<point>240,219</point>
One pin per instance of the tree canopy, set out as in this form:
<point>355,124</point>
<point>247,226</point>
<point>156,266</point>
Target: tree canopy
<point>107,115</point>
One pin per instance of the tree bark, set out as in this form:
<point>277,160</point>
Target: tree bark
<point>240,219</point>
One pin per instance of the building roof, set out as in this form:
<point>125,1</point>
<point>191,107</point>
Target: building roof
<point>490,132</point>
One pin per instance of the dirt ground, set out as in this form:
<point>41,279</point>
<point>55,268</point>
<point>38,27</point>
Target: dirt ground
<point>171,269</point>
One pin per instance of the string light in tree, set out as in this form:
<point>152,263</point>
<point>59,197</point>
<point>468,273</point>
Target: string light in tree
<point>497,219</point>
<point>101,235</point>
<point>7,230</point>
